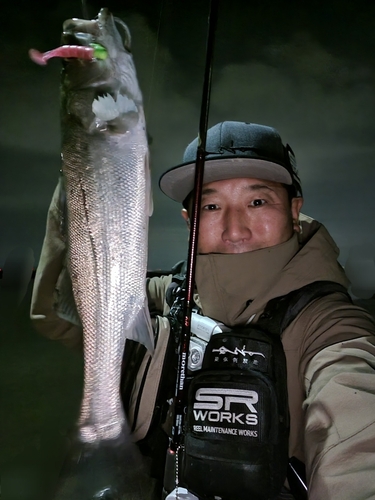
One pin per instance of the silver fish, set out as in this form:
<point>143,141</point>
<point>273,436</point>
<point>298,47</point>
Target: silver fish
<point>108,190</point>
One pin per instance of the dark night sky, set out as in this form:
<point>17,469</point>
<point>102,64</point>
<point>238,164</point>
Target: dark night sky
<point>305,68</point>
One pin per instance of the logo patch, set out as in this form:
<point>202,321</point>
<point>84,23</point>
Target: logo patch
<point>226,411</point>
<point>241,353</point>
<point>236,352</point>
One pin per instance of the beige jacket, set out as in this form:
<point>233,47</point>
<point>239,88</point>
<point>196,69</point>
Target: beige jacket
<point>329,347</point>
<point>330,352</point>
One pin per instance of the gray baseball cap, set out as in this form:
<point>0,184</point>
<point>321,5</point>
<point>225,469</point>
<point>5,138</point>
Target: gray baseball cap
<point>235,150</point>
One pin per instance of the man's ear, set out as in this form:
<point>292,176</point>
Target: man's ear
<point>185,216</point>
<point>296,206</point>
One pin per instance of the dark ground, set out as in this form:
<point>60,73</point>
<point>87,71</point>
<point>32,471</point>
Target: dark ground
<point>40,387</point>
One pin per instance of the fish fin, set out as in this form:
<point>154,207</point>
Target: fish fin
<point>125,105</point>
<point>142,329</point>
<point>105,108</point>
<point>149,200</point>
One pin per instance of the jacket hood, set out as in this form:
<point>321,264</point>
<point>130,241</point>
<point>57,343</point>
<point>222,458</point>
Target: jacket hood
<point>235,288</point>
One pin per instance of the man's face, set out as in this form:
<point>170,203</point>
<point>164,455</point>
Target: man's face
<point>241,215</point>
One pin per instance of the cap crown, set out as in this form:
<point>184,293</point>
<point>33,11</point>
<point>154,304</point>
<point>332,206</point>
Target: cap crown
<point>239,139</point>
<point>236,149</point>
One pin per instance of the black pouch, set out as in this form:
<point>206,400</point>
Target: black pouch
<point>237,423</point>
<point>235,448</point>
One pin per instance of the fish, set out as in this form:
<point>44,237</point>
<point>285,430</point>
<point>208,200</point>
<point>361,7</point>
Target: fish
<point>106,176</point>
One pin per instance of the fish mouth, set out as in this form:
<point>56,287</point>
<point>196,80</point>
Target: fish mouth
<point>84,32</point>
<point>78,41</point>
<point>85,39</point>
<point>90,51</point>
<point>79,38</point>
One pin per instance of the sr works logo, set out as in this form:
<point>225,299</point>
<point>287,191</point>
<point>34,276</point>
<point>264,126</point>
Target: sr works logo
<point>226,411</point>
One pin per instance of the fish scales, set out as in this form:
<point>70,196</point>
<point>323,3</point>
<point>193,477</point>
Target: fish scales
<point>108,203</point>
<point>108,197</point>
<point>100,245</point>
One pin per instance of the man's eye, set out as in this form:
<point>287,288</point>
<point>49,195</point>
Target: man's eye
<point>210,206</point>
<point>257,203</point>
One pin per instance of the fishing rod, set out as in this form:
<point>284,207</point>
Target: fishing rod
<point>180,396</point>
<point>85,10</point>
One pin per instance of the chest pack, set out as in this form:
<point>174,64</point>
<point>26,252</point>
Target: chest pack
<point>236,429</point>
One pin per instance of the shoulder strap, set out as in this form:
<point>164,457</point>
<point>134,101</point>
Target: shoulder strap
<point>178,279</point>
<point>281,311</point>
<point>179,271</point>
<point>277,316</point>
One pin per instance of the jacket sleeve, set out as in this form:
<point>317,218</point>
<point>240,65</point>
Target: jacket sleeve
<point>53,312</point>
<point>156,295</point>
<point>340,417</point>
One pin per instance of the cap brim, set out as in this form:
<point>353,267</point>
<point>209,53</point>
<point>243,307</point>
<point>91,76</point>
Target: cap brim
<point>178,182</point>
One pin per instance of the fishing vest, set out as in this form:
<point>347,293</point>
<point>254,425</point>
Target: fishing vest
<point>236,429</point>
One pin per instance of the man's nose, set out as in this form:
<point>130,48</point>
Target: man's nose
<point>236,227</point>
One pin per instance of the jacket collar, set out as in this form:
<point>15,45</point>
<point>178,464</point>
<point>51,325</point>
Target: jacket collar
<point>234,288</point>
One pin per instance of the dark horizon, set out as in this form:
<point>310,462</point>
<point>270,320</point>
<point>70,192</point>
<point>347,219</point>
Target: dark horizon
<point>307,70</point>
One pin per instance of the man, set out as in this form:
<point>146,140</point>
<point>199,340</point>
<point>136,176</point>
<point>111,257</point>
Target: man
<point>255,246</point>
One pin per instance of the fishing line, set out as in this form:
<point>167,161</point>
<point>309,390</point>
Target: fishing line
<point>85,10</point>
<point>155,55</point>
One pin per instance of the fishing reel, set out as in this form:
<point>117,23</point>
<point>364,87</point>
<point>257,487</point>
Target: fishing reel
<point>202,329</point>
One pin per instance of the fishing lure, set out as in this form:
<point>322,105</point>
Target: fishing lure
<point>93,51</point>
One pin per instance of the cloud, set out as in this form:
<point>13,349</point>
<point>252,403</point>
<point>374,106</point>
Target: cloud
<point>301,88</point>
<point>321,104</point>
<point>319,101</point>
